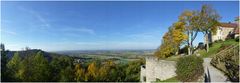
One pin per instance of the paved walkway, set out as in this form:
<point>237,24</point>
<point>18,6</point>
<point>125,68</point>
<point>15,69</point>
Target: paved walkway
<point>215,74</point>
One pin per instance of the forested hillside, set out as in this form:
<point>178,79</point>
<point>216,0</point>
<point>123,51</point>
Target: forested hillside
<point>37,65</point>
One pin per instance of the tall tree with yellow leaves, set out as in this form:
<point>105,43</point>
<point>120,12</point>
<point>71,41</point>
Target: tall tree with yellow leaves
<point>192,24</point>
<point>79,73</point>
<point>178,35</point>
<point>92,71</point>
<point>172,40</point>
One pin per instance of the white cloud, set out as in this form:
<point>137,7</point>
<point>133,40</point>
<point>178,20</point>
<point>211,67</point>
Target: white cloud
<point>144,36</point>
<point>37,15</point>
<point>88,43</point>
<point>8,32</point>
<point>86,30</point>
<point>79,30</point>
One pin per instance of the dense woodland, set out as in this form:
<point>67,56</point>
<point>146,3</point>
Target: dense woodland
<point>42,66</point>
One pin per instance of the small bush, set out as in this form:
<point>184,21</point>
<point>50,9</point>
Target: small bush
<point>210,45</point>
<point>237,39</point>
<point>189,68</point>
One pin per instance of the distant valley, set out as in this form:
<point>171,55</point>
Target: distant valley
<point>115,55</point>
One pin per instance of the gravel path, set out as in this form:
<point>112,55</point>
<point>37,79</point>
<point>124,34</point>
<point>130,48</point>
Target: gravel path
<point>215,74</point>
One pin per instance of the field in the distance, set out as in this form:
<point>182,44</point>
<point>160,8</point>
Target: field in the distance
<point>116,55</point>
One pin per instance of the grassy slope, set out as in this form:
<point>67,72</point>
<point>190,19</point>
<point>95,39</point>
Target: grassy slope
<point>216,46</point>
<point>212,50</point>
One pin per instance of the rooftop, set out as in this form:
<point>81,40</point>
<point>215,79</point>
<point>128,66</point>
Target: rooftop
<point>229,25</point>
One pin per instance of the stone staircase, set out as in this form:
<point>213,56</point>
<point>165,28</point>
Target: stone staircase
<point>216,66</point>
<point>231,50</point>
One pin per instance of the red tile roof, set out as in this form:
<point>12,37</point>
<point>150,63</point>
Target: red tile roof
<point>228,25</point>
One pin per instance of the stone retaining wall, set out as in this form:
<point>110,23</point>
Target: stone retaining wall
<point>157,69</point>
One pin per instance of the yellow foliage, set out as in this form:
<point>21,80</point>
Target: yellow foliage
<point>92,69</point>
<point>172,40</point>
<point>103,72</point>
<point>186,15</point>
<point>166,47</point>
<point>79,73</point>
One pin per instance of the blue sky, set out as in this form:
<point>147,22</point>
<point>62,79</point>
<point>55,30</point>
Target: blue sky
<point>54,26</point>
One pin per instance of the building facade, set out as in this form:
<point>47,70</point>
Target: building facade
<point>223,31</point>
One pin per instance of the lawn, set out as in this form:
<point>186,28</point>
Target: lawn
<point>173,58</point>
<point>216,46</point>
<point>212,50</point>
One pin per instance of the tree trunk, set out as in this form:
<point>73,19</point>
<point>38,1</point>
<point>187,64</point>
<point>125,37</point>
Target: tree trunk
<point>207,46</point>
<point>207,43</point>
<point>176,53</point>
<point>189,45</point>
<point>189,50</point>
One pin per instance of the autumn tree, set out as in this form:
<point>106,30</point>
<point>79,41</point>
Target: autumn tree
<point>92,71</point>
<point>104,70</point>
<point>103,74</point>
<point>79,73</point>
<point>209,21</point>
<point>172,40</point>
<point>165,48</point>
<point>191,20</point>
<point>178,35</point>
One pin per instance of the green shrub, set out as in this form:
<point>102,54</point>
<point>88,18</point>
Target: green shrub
<point>210,44</point>
<point>189,68</point>
<point>237,39</point>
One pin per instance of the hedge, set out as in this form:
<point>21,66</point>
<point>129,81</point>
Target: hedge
<point>189,68</point>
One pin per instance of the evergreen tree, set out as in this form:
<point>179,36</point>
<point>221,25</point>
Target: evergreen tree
<point>4,75</point>
<point>40,68</point>
<point>13,67</point>
<point>67,74</point>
